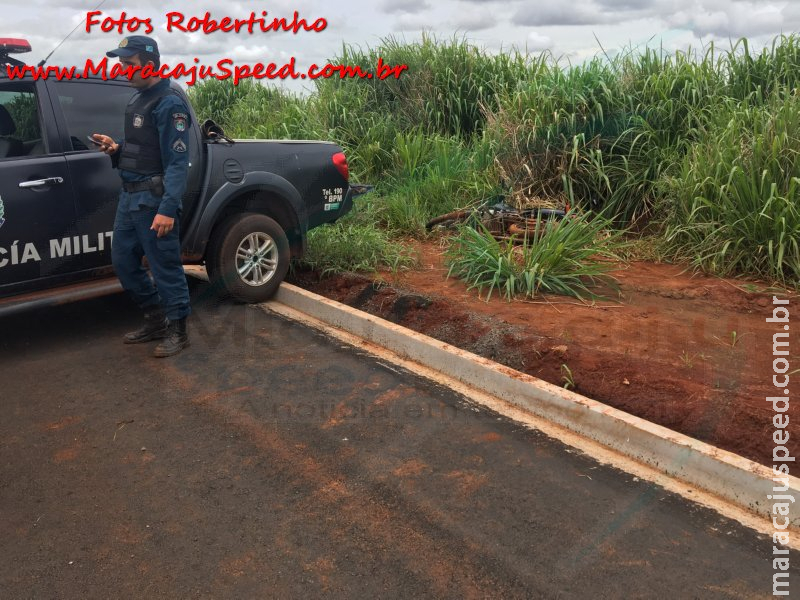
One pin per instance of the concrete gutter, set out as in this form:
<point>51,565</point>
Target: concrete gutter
<point>733,485</point>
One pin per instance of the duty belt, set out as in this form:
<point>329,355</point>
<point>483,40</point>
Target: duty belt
<point>155,184</point>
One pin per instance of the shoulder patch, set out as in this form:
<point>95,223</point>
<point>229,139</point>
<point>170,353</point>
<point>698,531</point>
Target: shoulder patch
<point>2,212</point>
<point>179,121</point>
<point>179,146</point>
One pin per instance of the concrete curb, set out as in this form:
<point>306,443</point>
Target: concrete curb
<point>734,479</point>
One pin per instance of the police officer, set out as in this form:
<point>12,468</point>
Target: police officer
<point>153,162</point>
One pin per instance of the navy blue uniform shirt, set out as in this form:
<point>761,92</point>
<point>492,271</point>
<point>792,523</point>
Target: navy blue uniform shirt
<point>174,142</point>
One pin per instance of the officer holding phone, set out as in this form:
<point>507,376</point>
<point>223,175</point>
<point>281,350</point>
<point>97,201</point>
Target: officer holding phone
<point>153,162</point>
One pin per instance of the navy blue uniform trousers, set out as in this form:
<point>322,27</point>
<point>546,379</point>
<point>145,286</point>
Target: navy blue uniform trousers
<point>134,239</point>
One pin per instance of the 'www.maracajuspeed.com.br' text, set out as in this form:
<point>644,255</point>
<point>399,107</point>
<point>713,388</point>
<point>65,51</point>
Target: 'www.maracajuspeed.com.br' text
<point>223,69</point>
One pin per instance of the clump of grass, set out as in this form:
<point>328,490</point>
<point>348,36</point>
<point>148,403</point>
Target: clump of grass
<point>446,175</point>
<point>567,377</point>
<point>448,89</point>
<point>565,257</point>
<point>348,246</point>
<point>616,127</point>
<point>214,98</point>
<point>272,113</point>
<point>253,111</point>
<point>736,201</point>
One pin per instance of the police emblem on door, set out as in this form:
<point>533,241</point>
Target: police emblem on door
<point>138,120</point>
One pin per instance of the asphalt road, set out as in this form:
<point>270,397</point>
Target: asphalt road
<point>267,461</point>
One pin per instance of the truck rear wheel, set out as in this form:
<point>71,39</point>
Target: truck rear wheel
<point>248,257</point>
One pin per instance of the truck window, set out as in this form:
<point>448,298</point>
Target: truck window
<point>91,107</point>
<point>20,129</point>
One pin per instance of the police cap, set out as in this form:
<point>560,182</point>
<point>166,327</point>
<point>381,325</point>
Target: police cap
<point>134,44</point>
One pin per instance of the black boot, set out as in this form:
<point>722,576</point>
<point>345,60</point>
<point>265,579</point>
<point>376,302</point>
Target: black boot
<point>176,339</point>
<point>154,328</point>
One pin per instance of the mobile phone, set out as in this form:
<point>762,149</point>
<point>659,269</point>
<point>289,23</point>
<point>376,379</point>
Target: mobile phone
<point>94,141</point>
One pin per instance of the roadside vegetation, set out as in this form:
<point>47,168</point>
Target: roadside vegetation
<point>560,257</point>
<point>694,156</point>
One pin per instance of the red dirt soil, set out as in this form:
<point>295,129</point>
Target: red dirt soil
<point>663,349</point>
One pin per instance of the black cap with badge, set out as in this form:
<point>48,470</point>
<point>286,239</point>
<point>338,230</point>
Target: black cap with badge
<point>134,44</point>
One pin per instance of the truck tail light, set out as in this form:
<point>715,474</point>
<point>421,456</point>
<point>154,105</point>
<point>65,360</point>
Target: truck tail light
<point>340,162</point>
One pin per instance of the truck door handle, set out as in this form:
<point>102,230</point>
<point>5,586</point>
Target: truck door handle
<point>41,182</point>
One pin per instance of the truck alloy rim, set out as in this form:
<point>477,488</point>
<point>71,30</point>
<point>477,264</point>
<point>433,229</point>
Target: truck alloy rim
<point>257,259</point>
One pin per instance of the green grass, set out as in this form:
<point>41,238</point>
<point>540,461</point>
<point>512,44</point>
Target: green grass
<point>567,377</point>
<point>448,175</point>
<point>696,148</point>
<point>565,257</point>
<point>348,246</point>
<point>736,206</point>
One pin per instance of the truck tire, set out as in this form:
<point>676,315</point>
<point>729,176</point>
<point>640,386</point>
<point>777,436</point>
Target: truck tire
<point>248,257</point>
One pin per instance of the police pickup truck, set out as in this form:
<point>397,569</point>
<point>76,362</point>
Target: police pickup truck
<point>246,212</point>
